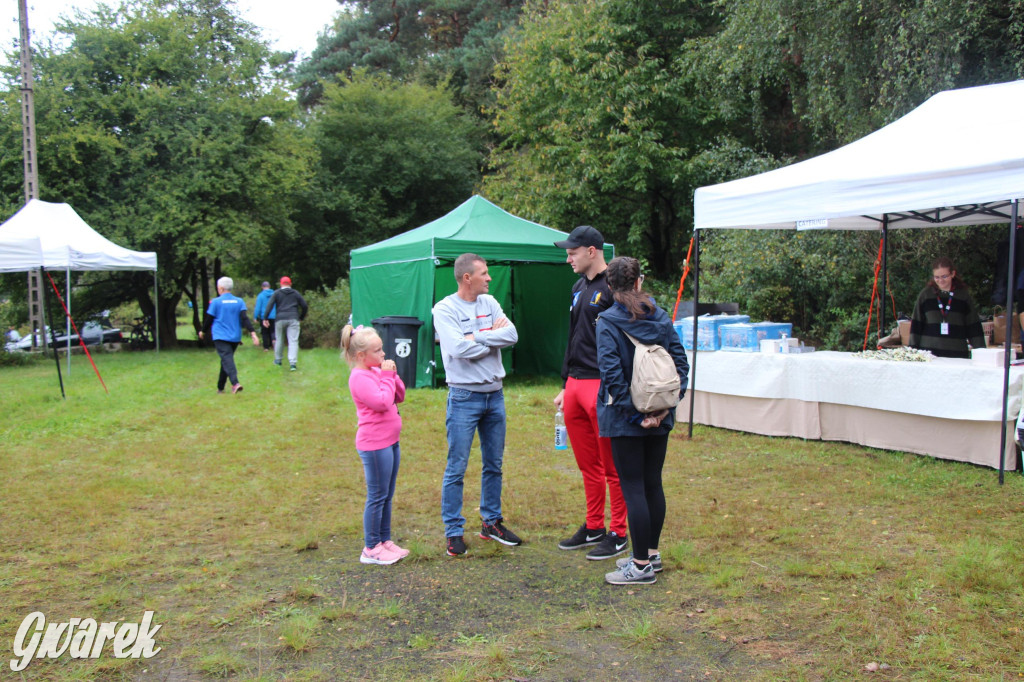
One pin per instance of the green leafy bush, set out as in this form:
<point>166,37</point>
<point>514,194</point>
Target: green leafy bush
<point>329,310</point>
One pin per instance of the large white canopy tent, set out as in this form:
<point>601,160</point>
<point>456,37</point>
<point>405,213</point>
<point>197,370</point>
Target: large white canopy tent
<point>958,159</point>
<point>61,240</point>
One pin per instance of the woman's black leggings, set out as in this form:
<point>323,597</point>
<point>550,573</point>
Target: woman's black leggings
<point>639,460</point>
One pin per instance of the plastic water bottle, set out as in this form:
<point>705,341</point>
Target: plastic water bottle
<point>561,435</point>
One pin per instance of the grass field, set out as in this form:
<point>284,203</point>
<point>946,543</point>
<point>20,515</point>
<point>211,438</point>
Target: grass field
<point>237,519</point>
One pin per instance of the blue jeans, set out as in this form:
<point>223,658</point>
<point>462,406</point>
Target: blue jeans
<point>381,469</point>
<point>469,412</point>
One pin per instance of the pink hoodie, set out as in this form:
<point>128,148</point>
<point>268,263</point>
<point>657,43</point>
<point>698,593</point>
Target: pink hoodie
<point>376,394</point>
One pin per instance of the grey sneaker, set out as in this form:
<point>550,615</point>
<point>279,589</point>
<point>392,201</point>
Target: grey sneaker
<point>631,574</point>
<point>293,368</point>
<point>611,545</point>
<point>655,562</point>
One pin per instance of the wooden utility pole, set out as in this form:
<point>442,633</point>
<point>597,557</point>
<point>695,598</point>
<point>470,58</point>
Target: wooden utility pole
<point>28,148</point>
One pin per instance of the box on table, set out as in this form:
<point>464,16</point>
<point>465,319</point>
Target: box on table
<point>792,345</point>
<point>747,337</point>
<point>707,330</point>
<point>991,357</point>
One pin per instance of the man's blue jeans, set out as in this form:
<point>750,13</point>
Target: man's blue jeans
<point>381,469</point>
<point>469,412</point>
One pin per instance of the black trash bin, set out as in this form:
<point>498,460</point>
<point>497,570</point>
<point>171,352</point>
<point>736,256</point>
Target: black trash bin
<point>399,332</point>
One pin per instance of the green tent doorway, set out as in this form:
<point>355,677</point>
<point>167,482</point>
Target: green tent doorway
<point>408,273</point>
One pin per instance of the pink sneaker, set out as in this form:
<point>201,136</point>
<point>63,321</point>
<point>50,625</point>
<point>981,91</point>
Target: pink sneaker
<point>395,549</point>
<point>378,555</point>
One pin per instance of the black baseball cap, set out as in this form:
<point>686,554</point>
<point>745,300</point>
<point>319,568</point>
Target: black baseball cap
<point>582,235</point>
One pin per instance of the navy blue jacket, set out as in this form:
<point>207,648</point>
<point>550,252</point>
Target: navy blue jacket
<point>615,362</point>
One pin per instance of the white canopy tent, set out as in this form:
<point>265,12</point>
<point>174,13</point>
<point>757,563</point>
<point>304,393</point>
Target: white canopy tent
<point>958,159</point>
<point>63,241</point>
<point>68,243</point>
<point>19,255</point>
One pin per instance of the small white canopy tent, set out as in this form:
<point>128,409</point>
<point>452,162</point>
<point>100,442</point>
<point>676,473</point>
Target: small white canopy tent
<point>958,159</point>
<point>63,242</point>
<point>68,243</point>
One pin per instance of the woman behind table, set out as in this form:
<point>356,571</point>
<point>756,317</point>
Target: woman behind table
<point>376,390</point>
<point>945,319</point>
<point>638,440</point>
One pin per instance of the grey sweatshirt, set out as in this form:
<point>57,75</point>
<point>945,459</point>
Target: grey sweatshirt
<point>473,365</point>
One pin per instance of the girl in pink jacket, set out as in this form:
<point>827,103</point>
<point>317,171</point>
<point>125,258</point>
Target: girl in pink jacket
<point>376,390</point>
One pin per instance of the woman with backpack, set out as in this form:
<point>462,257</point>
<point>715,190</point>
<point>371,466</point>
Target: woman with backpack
<point>639,439</point>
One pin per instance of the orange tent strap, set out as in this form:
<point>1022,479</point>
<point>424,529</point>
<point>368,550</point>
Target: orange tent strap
<point>874,292</point>
<point>81,341</point>
<point>682,281</point>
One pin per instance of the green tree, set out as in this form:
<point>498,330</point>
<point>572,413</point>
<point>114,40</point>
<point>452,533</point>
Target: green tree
<point>392,156</point>
<point>163,123</point>
<point>456,42</point>
<point>600,123</point>
<point>805,76</point>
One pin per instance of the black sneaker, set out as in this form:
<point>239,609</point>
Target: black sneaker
<point>498,531</point>
<point>584,537</point>
<point>611,545</point>
<point>456,546</point>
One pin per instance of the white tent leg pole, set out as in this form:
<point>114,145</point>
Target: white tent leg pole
<point>67,320</point>
<point>156,313</point>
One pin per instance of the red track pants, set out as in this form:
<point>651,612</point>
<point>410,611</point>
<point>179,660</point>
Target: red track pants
<point>593,454</point>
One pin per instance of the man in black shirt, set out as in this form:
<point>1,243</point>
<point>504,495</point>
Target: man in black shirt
<point>584,249</point>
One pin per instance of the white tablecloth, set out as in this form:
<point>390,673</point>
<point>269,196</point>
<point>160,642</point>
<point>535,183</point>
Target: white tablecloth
<point>945,387</point>
<point>945,408</point>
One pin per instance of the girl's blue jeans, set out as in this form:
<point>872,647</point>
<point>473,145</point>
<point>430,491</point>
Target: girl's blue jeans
<point>381,469</point>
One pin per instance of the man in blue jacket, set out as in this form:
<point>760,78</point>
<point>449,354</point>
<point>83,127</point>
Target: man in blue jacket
<point>261,312</point>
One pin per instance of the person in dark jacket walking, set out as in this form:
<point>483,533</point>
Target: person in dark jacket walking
<point>639,441</point>
<point>291,310</point>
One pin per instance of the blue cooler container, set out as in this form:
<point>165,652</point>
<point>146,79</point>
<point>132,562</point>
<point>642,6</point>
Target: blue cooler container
<point>773,330</point>
<point>746,338</point>
<point>708,327</point>
<point>739,338</point>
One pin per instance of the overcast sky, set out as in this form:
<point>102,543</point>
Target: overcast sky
<point>287,24</point>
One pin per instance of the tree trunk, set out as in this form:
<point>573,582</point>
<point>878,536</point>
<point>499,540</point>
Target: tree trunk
<point>204,284</point>
<point>169,321</point>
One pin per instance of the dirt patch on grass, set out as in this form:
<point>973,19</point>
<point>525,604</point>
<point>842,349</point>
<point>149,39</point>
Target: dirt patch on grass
<point>526,613</point>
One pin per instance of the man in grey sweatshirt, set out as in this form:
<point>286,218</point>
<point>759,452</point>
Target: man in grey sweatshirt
<point>472,330</point>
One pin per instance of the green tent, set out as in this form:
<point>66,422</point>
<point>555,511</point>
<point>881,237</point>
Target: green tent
<point>407,274</point>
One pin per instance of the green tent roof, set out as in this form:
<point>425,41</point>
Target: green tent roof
<point>475,226</point>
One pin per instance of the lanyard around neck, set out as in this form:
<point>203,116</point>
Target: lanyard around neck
<point>944,307</point>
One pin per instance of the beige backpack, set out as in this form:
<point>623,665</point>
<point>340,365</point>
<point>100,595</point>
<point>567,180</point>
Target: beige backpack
<point>655,384</point>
